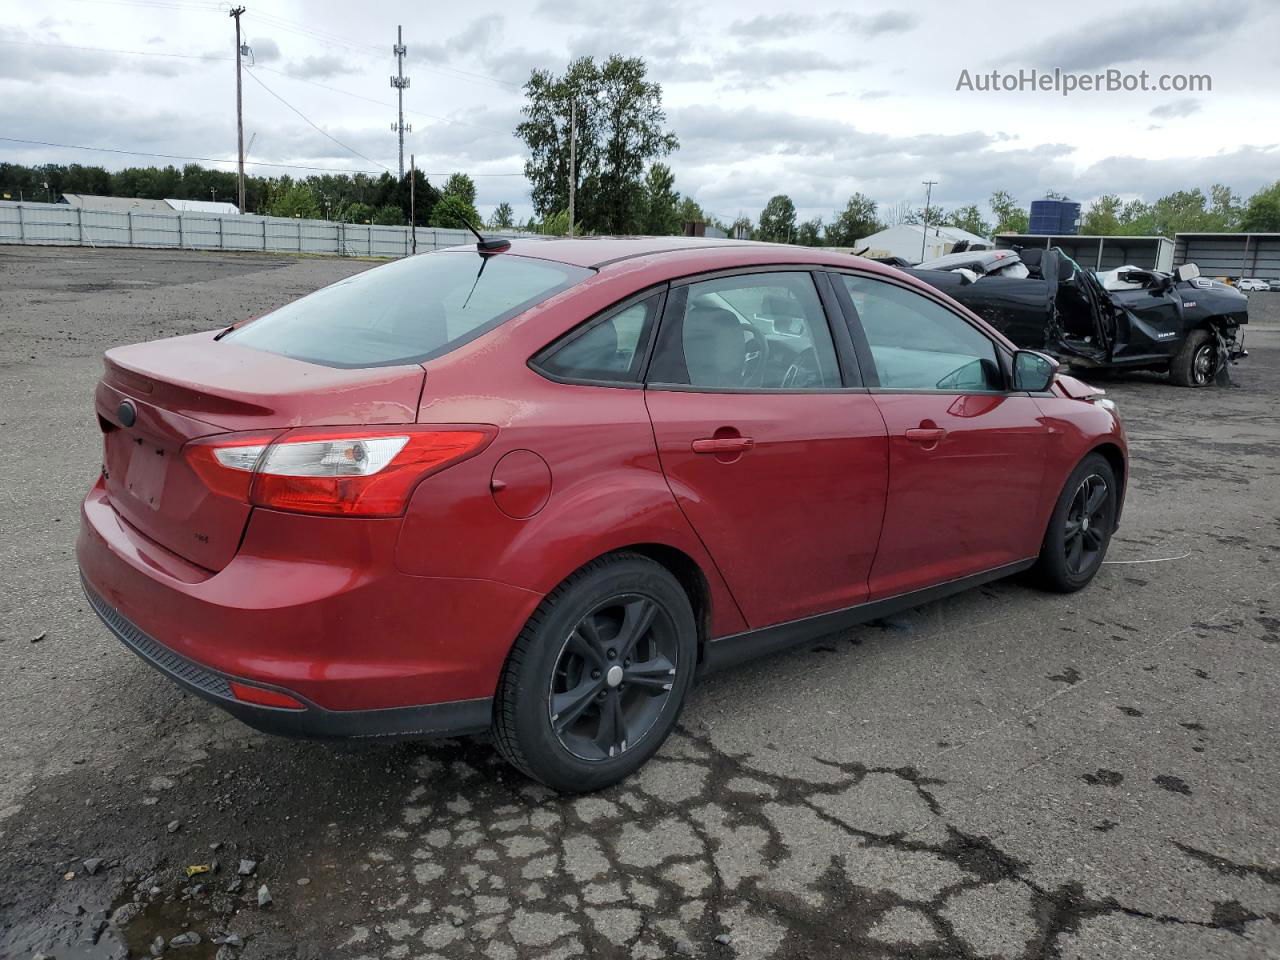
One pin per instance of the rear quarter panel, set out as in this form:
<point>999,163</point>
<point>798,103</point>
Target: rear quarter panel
<point>606,489</point>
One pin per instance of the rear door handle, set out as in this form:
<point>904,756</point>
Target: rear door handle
<point>723,445</point>
<point>925,434</point>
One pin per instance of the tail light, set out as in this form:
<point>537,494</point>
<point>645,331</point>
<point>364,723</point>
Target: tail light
<point>345,472</point>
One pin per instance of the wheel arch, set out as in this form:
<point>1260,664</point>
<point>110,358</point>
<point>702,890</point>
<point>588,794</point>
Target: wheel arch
<point>1114,456</point>
<point>691,578</point>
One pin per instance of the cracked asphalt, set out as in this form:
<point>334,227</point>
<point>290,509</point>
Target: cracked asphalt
<point>1001,774</point>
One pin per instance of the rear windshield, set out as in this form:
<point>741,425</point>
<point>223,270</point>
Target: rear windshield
<point>408,311</point>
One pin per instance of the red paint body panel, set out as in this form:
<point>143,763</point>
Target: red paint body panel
<point>831,505</point>
<point>963,503</point>
<point>793,521</point>
<point>311,604</point>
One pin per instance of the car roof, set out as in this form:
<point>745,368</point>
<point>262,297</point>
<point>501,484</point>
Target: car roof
<point>709,253</point>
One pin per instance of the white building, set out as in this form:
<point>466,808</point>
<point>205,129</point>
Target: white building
<point>204,206</point>
<point>87,201</point>
<point>904,241</point>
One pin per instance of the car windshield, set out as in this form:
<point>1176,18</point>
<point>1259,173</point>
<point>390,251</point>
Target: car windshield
<point>408,311</point>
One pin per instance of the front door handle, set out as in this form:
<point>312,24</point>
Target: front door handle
<point>723,445</point>
<point>925,434</point>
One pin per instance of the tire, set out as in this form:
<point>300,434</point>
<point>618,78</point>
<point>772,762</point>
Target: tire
<point>1061,567</point>
<point>1196,361</point>
<point>614,711</point>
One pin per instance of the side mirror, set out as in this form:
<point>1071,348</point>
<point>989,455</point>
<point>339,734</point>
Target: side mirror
<point>1188,271</point>
<point>1033,371</point>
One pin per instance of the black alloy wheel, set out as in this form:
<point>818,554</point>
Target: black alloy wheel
<point>613,677</point>
<point>1085,527</point>
<point>1080,527</point>
<point>595,682</point>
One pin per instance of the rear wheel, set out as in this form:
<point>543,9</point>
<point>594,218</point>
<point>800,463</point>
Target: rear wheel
<point>596,680</point>
<point>1196,362</point>
<point>1080,529</point>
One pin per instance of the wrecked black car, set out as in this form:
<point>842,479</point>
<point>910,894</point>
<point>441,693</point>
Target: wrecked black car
<point>1129,319</point>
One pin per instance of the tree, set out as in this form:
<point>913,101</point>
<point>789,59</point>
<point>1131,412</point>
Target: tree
<point>294,200</point>
<point>620,131</point>
<point>690,211</point>
<point>1010,218</point>
<point>456,204</point>
<point>777,220</point>
<point>1136,219</point>
<point>1225,208</point>
<point>503,218</point>
<point>969,218</point>
<point>740,229</point>
<point>857,220</point>
<point>897,213</point>
<point>389,215</point>
<point>661,202</point>
<point>936,215</point>
<point>1262,213</point>
<point>356,212</point>
<point>1103,217</point>
<point>809,233</point>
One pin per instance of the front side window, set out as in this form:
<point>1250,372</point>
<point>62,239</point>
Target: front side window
<point>407,311</point>
<point>607,350</point>
<point>760,331</point>
<point>918,344</point>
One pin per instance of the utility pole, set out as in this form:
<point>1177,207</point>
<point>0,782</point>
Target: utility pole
<point>924,231</point>
<point>573,158</point>
<point>413,220</point>
<point>235,15</point>
<point>400,82</point>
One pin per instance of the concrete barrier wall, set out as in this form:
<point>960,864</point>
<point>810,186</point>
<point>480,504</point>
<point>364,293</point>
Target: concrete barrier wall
<point>58,223</point>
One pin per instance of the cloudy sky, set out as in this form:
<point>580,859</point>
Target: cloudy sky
<point>815,103</point>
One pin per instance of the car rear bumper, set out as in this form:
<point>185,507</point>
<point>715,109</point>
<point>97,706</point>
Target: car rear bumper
<point>436,719</point>
<point>313,608</point>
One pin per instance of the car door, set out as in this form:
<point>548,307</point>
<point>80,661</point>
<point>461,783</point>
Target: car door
<point>966,456</point>
<point>1151,319</point>
<point>772,449</point>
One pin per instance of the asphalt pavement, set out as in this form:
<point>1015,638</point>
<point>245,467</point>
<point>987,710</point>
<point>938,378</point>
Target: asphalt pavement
<point>1004,773</point>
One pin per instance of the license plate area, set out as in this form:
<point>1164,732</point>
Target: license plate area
<point>145,475</point>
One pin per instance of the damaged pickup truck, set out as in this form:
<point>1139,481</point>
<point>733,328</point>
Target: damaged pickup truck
<point>1127,319</point>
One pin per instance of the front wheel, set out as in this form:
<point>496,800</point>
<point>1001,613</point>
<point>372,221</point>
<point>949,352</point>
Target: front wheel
<point>595,682</point>
<point>1080,528</point>
<point>1196,362</point>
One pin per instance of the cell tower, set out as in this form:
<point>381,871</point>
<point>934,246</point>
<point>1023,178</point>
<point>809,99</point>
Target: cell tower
<point>400,82</point>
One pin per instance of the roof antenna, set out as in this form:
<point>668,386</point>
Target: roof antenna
<point>484,245</point>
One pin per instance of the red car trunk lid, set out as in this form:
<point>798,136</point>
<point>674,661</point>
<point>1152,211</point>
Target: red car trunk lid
<point>155,397</point>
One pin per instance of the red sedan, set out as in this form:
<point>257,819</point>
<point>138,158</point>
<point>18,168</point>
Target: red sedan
<point>539,489</point>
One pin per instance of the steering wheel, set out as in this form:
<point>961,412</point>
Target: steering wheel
<point>757,358</point>
<point>801,371</point>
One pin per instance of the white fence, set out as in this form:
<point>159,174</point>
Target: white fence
<point>58,223</point>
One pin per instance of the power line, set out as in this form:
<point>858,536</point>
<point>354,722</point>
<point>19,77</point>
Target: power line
<point>175,156</point>
<point>314,124</point>
<point>369,49</point>
<point>248,163</point>
<point>382,103</point>
<point>281,73</point>
<point>134,53</point>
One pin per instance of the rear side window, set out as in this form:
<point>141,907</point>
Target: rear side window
<point>408,311</point>
<point>608,350</point>
<point>759,331</point>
